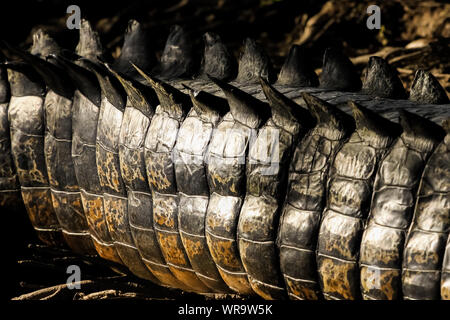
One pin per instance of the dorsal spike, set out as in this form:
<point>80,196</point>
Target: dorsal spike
<point>177,60</point>
<point>297,70</point>
<point>381,80</point>
<point>245,108</point>
<point>24,80</point>
<point>285,107</point>
<point>415,126</point>
<point>111,88</point>
<point>4,85</point>
<point>136,49</point>
<point>54,77</point>
<point>141,97</point>
<point>425,88</point>
<point>369,122</point>
<point>208,104</point>
<point>84,80</point>
<point>170,98</point>
<point>217,61</point>
<point>338,72</point>
<point>446,125</point>
<point>326,113</point>
<point>254,63</point>
<point>89,45</point>
<point>43,44</point>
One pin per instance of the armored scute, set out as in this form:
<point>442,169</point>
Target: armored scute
<point>307,188</point>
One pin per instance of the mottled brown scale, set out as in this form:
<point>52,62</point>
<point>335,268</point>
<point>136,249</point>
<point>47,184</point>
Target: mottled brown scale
<point>136,121</point>
<point>427,236</point>
<point>349,193</point>
<point>165,209</point>
<point>84,129</point>
<point>190,171</point>
<point>224,252</point>
<point>226,176</point>
<point>336,278</point>
<point>159,147</point>
<point>301,214</point>
<point>376,280</point>
<point>38,202</point>
<point>266,171</point>
<point>392,207</point>
<point>26,123</point>
<point>109,172</point>
<point>66,197</point>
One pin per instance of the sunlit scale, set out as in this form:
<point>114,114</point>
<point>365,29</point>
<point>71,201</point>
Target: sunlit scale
<point>226,179</point>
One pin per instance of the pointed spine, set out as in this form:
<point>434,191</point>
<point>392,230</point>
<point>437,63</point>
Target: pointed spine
<point>254,63</point>
<point>245,108</point>
<point>296,70</point>
<point>381,80</point>
<point>217,61</point>
<point>338,72</point>
<point>425,88</point>
<point>177,60</point>
<point>89,45</point>
<point>136,49</point>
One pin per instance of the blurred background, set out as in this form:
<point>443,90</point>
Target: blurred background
<point>413,33</point>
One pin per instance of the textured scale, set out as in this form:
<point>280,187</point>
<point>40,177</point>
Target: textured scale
<point>10,197</point>
<point>65,193</point>
<point>267,163</point>
<point>135,124</point>
<point>310,188</point>
<point>349,193</point>
<point>112,183</point>
<point>226,175</point>
<point>60,167</point>
<point>26,123</point>
<point>190,172</point>
<point>427,236</point>
<point>159,147</point>
<point>392,206</point>
<point>85,113</point>
<point>305,200</point>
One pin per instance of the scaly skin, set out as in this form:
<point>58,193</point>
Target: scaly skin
<point>135,124</point>
<point>392,207</point>
<point>305,200</point>
<point>112,183</point>
<point>218,224</point>
<point>10,197</point>
<point>428,233</point>
<point>192,184</point>
<point>267,164</point>
<point>159,144</point>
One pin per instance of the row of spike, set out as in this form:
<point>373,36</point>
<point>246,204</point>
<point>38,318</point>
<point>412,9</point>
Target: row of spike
<point>55,65</point>
<point>178,61</point>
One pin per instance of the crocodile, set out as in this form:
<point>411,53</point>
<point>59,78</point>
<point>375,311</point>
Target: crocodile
<point>224,177</point>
